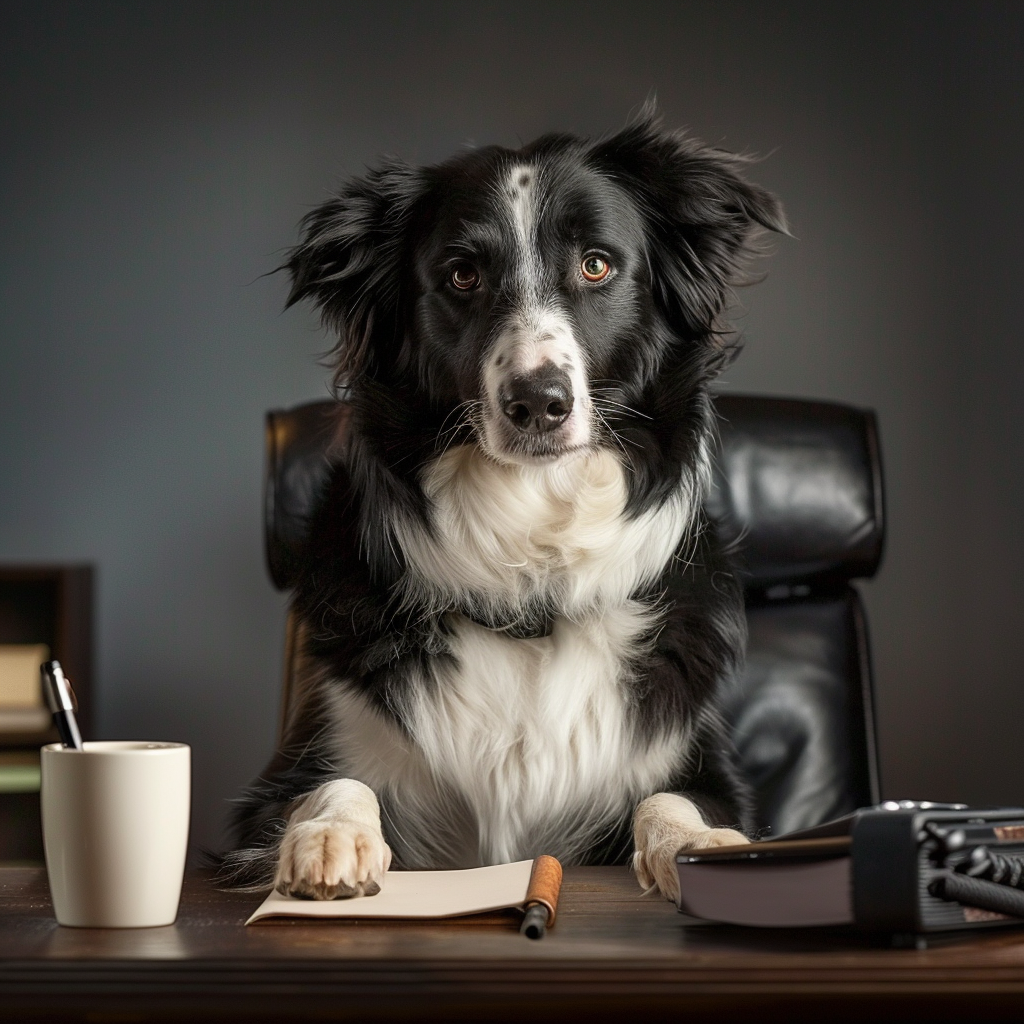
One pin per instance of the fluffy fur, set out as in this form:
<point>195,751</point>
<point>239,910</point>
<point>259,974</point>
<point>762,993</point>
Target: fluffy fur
<point>516,615</point>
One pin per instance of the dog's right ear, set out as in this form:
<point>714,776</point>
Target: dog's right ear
<point>349,263</point>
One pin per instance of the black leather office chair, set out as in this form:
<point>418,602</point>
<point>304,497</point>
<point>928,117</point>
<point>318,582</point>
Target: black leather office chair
<point>798,490</point>
<point>798,487</point>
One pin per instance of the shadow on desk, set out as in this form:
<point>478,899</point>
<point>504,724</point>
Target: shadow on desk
<point>614,955</point>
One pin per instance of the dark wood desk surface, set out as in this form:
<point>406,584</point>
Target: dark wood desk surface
<point>613,955</point>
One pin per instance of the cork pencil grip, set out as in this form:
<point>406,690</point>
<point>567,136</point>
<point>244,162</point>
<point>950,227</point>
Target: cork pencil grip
<point>545,883</point>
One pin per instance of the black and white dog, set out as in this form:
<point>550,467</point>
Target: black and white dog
<point>516,613</point>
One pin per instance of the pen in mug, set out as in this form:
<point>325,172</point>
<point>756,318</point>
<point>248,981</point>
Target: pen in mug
<point>60,699</point>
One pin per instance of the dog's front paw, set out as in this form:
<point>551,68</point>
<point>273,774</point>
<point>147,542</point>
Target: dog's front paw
<point>663,825</point>
<point>326,860</point>
<point>655,863</point>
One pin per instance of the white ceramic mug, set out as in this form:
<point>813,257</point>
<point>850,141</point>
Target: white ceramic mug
<point>115,831</point>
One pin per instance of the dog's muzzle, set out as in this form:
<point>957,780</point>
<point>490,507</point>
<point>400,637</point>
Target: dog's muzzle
<point>539,402</point>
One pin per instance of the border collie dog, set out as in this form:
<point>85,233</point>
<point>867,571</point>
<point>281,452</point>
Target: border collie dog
<point>515,613</point>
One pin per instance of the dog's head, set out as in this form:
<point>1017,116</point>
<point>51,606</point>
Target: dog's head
<point>539,292</point>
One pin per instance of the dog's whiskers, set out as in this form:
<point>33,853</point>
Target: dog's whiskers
<point>627,408</point>
<point>464,418</point>
<point>616,436</point>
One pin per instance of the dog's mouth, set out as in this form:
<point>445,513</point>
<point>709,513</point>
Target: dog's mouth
<point>535,417</point>
<point>530,450</point>
<point>505,445</point>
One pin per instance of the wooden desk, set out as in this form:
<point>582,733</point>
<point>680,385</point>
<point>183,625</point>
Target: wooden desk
<point>613,955</point>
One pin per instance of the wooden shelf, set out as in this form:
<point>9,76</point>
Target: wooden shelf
<point>52,605</point>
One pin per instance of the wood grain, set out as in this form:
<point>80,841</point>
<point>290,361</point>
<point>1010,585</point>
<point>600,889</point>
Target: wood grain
<point>614,955</point>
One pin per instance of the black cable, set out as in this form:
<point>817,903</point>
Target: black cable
<point>1004,869</point>
<point>979,893</point>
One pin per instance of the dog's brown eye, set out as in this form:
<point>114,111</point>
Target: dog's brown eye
<point>465,277</point>
<point>595,268</point>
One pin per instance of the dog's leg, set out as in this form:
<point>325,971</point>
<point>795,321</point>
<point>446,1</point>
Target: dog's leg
<point>333,845</point>
<point>663,825</point>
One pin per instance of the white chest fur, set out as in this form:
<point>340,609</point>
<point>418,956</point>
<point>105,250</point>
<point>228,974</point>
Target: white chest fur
<point>515,747</point>
<point>503,535</point>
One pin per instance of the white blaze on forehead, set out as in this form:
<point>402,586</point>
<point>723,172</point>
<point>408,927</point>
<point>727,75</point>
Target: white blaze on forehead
<point>523,199</point>
<point>522,190</point>
<point>538,331</point>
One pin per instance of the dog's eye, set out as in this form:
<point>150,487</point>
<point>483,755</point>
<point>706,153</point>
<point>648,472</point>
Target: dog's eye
<point>465,277</point>
<point>595,268</point>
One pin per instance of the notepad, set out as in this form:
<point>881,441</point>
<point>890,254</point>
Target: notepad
<point>436,894</point>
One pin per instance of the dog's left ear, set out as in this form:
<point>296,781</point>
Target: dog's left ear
<point>349,263</point>
<point>703,217</point>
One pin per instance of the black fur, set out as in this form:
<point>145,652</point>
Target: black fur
<point>679,221</point>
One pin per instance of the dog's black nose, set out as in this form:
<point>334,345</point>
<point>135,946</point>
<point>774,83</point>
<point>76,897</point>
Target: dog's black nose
<point>539,402</point>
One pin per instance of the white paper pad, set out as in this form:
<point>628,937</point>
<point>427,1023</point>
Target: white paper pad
<point>419,894</point>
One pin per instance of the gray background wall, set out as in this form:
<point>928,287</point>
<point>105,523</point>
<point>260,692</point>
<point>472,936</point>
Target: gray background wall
<point>156,159</point>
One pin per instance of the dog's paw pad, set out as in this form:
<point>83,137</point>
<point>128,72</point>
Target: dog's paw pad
<point>328,860</point>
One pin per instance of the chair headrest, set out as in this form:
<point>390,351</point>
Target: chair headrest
<point>797,487</point>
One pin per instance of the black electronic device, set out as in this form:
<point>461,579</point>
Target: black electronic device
<point>909,869</point>
<point>902,868</point>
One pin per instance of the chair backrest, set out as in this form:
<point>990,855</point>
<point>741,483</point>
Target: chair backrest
<point>798,492</point>
<point>798,489</point>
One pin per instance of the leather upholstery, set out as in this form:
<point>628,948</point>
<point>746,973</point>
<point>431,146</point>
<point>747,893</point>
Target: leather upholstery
<point>798,490</point>
<point>801,715</point>
<point>299,445</point>
<point>800,483</point>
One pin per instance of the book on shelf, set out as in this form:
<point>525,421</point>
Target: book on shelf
<point>22,711</point>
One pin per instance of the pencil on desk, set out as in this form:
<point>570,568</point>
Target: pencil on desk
<point>541,901</point>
